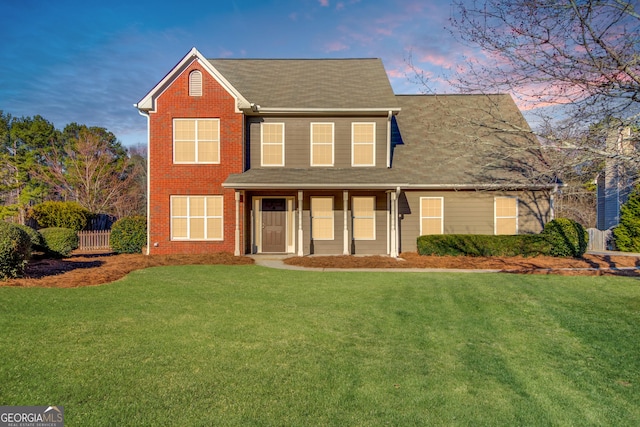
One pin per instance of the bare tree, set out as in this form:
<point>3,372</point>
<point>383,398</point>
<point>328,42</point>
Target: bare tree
<point>574,65</point>
<point>576,62</point>
<point>92,169</point>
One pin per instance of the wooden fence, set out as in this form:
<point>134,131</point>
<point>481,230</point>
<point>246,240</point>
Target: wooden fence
<point>599,240</point>
<point>94,240</point>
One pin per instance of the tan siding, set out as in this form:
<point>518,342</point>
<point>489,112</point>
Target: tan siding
<point>298,139</point>
<point>470,212</point>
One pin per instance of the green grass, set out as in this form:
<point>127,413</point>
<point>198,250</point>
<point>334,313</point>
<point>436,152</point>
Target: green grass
<point>246,345</point>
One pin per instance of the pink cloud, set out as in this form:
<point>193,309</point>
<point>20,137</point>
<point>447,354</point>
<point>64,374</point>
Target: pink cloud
<point>324,3</point>
<point>336,46</point>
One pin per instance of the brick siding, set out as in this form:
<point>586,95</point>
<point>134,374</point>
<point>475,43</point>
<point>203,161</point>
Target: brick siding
<point>167,179</point>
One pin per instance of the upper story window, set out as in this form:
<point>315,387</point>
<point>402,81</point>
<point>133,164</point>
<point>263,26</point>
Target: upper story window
<point>272,144</point>
<point>321,144</point>
<point>195,83</point>
<point>431,215</point>
<point>196,140</point>
<point>363,144</point>
<point>506,215</point>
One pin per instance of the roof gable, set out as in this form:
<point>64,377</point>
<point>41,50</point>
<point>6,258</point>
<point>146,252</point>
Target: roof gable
<point>147,103</point>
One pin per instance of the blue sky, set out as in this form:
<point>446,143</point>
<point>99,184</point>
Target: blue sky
<point>89,62</point>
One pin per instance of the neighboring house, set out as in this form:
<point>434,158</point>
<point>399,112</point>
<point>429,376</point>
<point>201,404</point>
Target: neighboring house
<point>615,182</point>
<point>319,156</point>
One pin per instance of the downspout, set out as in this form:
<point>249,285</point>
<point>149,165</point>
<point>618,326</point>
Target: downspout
<point>142,113</point>
<point>389,115</point>
<point>396,220</point>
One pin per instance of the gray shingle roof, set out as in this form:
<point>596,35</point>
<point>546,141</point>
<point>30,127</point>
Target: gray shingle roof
<point>325,178</point>
<point>465,140</point>
<point>310,83</point>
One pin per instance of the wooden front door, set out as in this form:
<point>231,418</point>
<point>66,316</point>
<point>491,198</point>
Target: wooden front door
<point>274,225</point>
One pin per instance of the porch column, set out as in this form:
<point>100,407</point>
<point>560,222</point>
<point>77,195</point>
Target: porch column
<point>345,232</point>
<point>394,221</point>
<point>300,235</point>
<point>236,252</point>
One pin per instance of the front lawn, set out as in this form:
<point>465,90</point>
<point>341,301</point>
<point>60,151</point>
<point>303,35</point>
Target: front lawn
<point>247,345</point>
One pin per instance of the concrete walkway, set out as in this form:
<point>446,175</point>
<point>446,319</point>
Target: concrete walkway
<point>277,261</point>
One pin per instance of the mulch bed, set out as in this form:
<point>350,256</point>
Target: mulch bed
<point>95,269</point>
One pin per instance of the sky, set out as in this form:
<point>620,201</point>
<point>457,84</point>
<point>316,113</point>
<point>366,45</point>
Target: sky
<point>89,61</point>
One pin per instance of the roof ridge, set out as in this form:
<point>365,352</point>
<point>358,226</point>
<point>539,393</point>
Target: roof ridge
<point>292,59</point>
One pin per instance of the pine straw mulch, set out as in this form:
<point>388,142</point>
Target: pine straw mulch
<point>591,265</point>
<point>95,269</point>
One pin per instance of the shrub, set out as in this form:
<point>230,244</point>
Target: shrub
<point>60,215</point>
<point>627,233</point>
<point>37,243</point>
<point>129,235</point>
<point>483,245</point>
<point>59,242</point>
<point>567,237</point>
<point>15,250</point>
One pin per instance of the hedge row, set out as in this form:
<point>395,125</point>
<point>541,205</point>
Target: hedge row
<point>560,238</point>
<point>18,241</point>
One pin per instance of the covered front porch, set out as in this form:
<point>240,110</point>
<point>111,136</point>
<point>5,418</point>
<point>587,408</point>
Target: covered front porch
<point>317,221</point>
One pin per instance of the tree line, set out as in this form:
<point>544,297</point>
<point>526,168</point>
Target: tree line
<point>83,164</point>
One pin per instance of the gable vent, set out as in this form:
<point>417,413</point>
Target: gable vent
<point>195,83</point>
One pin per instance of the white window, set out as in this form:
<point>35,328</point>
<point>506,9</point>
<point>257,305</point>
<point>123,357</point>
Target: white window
<point>195,83</point>
<point>196,218</point>
<point>321,144</point>
<point>363,210</point>
<point>431,215</point>
<point>272,144</point>
<point>322,218</point>
<point>363,144</point>
<point>196,140</point>
<point>506,215</point>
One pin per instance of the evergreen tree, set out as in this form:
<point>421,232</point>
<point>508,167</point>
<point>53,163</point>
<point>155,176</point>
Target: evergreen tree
<point>627,234</point>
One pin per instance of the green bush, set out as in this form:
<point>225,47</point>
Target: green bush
<point>627,233</point>
<point>37,243</point>
<point>483,245</point>
<point>129,235</point>
<point>60,215</point>
<point>567,237</point>
<point>15,250</point>
<point>59,242</point>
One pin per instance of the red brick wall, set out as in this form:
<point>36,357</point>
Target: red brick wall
<point>167,179</point>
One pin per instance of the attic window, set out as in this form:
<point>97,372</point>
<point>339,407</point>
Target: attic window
<point>195,83</point>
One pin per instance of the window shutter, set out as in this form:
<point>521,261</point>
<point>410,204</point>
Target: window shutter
<point>195,83</point>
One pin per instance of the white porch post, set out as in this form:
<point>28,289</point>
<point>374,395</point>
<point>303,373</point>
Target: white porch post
<point>345,232</point>
<point>394,220</point>
<point>300,235</point>
<point>236,252</point>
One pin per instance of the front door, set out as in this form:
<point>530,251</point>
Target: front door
<point>274,225</point>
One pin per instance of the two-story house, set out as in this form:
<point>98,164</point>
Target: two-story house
<point>319,156</point>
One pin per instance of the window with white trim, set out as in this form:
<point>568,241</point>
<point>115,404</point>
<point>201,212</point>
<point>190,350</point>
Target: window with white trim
<point>506,215</point>
<point>272,144</point>
<point>322,218</point>
<point>195,83</point>
<point>196,218</point>
<point>363,211</point>
<point>196,140</point>
<point>363,144</point>
<point>321,144</point>
<point>431,215</point>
